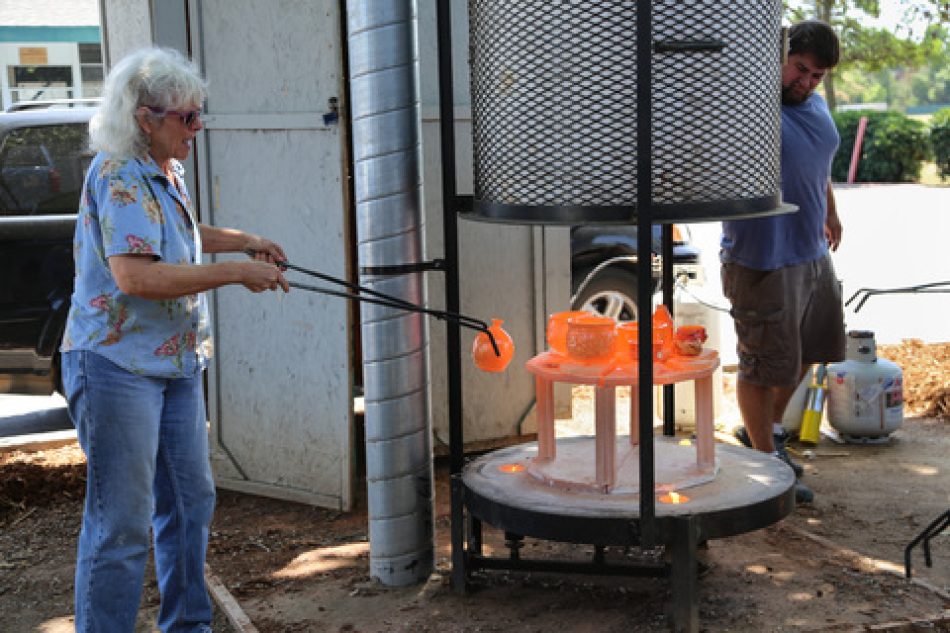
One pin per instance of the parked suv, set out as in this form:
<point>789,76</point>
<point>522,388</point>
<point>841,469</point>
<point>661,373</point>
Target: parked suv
<point>604,267</point>
<point>43,156</point>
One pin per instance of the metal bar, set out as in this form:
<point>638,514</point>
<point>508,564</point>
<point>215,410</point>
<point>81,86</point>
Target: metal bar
<point>684,575</point>
<point>645,570</point>
<point>474,535</point>
<point>457,514</point>
<point>402,269</point>
<point>684,46</point>
<point>644,145</point>
<point>391,302</point>
<point>453,334</point>
<point>936,526</point>
<point>666,261</point>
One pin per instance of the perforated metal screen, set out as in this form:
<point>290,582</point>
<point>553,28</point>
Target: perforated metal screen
<point>554,107</point>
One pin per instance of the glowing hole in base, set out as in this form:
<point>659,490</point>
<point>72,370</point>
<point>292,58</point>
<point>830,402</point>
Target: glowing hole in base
<point>673,497</point>
<point>685,443</point>
<point>511,468</point>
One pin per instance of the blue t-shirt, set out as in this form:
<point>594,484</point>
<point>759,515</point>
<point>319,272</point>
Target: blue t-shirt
<point>809,142</point>
<point>129,206</point>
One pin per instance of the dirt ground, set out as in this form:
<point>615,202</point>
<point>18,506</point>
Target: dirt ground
<point>832,565</point>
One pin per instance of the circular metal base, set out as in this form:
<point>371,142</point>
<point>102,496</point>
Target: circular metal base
<point>675,467</point>
<point>751,490</point>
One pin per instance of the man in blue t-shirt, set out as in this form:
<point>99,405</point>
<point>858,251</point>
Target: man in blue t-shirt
<point>777,271</point>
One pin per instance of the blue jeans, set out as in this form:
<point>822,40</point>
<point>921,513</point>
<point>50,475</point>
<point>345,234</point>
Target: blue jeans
<point>146,449</point>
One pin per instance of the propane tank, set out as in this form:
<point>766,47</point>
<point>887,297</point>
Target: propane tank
<point>865,393</point>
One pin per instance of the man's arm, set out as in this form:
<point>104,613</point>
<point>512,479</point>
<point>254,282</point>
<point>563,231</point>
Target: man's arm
<point>832,222</point>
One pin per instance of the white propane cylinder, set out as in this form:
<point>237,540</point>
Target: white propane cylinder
<point>865,393</point>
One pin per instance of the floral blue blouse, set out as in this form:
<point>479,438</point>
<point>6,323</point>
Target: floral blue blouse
<point>129,206</point>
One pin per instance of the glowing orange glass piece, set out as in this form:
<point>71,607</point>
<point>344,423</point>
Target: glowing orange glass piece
<point>511,468</point>
<point>483,354</point>
<point>673,498</point>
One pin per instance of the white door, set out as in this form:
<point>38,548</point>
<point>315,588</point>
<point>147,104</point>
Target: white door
<point>272,162</point>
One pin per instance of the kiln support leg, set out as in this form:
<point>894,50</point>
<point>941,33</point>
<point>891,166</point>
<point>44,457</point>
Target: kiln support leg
<point>683,575</point>
<point>459,569</point>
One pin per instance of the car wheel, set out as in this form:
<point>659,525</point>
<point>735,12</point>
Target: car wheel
<point>612,292</point>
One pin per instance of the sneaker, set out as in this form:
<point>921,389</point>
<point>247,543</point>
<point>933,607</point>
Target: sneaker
<point>803,494</point>
<point>781,452</point>
<point>783,455</point>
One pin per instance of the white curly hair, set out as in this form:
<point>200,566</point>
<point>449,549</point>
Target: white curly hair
<point>158,77</point>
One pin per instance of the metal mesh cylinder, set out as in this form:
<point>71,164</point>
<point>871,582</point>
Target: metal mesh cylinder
<point>554,109</point>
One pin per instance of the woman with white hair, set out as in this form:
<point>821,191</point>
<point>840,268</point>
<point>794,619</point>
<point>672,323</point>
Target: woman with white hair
<point>136,341</point>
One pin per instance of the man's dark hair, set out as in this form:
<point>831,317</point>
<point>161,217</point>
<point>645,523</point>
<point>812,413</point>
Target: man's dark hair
<point>818,39</point>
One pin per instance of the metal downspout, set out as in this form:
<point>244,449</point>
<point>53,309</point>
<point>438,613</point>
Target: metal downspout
<point>387,159</point>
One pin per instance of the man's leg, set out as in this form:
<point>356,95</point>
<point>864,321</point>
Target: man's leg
<point>756,405</point>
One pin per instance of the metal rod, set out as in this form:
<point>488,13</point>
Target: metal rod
<point>398,304</point>
<point>936,526</point>
<point>666,261</point>
<point>453,337</point>
<point>644,145</point>
<point>570,566</point>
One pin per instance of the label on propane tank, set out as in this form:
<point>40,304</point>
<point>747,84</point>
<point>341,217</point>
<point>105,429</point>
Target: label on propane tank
<point>865,400</point>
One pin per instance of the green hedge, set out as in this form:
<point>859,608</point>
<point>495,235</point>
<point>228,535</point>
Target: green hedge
<point>893,149</point>
<point>940,140</point>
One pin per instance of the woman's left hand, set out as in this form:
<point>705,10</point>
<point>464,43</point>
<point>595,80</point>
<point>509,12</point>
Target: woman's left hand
<point>265,250</point>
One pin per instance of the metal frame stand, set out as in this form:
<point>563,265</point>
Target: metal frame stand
<point>937,526</point>
<point>466,555</point>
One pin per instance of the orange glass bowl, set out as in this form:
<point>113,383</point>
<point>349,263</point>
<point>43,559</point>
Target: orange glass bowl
<point>557,329</point>
<point>590,338</point>
<point>483,354</point>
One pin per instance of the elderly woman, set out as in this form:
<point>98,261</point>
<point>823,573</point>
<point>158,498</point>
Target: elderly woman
<point>136,340</point>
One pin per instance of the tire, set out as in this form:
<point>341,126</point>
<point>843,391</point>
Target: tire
<point>613,293</point>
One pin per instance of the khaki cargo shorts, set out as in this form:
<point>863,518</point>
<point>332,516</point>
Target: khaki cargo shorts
<point>785,319</point>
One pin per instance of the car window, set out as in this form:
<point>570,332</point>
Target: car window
<point>41,169</point>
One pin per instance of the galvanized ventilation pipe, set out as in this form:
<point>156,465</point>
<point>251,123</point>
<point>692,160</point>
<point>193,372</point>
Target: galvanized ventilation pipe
<point>384,101</point>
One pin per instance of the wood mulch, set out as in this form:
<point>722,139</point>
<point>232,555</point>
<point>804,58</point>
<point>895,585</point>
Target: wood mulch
<point>926,368</point>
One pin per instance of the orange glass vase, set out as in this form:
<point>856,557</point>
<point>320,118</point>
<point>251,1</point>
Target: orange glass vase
<point>483,354</point>
<point>662,333</point>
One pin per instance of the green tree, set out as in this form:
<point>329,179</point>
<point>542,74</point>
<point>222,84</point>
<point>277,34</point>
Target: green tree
<point>871,48</point>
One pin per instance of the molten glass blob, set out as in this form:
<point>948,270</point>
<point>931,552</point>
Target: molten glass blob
<point>483,354</point>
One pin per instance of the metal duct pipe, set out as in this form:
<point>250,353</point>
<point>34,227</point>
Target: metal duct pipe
<point>384,101</point>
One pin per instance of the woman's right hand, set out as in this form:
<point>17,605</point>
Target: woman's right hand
<point>258,276</point>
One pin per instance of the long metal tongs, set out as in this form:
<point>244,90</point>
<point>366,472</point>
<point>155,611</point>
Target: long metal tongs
<point>382,299</point>
<point>934,287</point>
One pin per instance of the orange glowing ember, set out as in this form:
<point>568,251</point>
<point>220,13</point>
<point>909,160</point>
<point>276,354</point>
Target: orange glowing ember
<point>511,468</point>
<point>674,498</point>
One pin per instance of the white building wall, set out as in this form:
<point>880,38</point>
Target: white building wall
<point>58,54</point>
<point>126,26</point>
